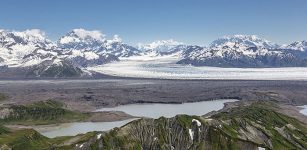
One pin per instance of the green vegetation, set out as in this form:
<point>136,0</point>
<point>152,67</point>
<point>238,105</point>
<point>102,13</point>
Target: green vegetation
<point>3,97</point>
<point>29,139</point>
<point>4,130</point>
<point>24,140</point>
<point>281,130</point>
<point>47,112</point>
<point>244,127</point>
<point>184,120</point>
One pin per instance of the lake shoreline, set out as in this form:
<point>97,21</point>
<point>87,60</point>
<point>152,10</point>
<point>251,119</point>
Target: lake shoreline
<point>50,130</point>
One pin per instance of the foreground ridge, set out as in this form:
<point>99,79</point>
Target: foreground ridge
<point>243,127</point>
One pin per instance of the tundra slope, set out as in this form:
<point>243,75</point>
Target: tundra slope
<point>242,127</point>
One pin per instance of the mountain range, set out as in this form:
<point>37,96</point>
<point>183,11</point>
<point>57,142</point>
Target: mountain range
<point>30,53</point>
<point>246,51</point>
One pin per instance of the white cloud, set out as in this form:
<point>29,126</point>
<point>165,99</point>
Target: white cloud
<point>82,33</point>
<point>36,33</point>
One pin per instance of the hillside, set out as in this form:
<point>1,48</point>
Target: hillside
<point>243,127</point>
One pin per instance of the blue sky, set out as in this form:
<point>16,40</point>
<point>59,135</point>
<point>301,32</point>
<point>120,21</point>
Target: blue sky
<point>188,21</point>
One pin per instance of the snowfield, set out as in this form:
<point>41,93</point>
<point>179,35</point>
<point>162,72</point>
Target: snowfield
<point>165,67</point>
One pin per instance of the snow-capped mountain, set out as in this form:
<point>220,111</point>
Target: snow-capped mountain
<point>25,48</point>
<point>299,45</point>
<point>36,55</point>
<point>116,47</point>
<point>162,47</point>
<point>94,43</point>
<point>85,48</point>
<point>241,51</point>
<point>31,53</point>
<point>80,39</point>
<point>245,40</point>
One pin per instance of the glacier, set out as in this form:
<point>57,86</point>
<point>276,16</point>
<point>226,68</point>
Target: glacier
<point>165,67</point>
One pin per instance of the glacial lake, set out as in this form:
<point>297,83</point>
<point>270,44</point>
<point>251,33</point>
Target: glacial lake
<point>304,110</point>
<point>170,110</point>
<point>139,110</point>
<point>72,129</point>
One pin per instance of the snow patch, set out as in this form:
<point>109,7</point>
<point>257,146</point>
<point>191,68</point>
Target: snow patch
<point>99,136</point>
<point>67,39</point>
<point>76,53</point>
<point>197,122</point>
<point>191,132</point>
<point>90,55</point>
<point>57,62</point>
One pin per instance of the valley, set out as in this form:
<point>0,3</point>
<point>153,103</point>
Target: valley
<point>244,125</point>
<point>115,112</point>
<point>86,91</point>
<point>65,113</point>
<point>165,67</point>
<point>94,94</point>
<point>153,75</point>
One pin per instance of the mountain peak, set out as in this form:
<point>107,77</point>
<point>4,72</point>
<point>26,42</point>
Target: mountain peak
<point>241,36</point>
<point>82,35</point>
<point>116,39</point>
<point>31,33</point>
<point>33,37</point>
<point>299,45</point>
<point>246,40</point>
<point>161,45</point>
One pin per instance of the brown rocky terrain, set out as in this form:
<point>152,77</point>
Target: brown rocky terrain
<point>87,95</point>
